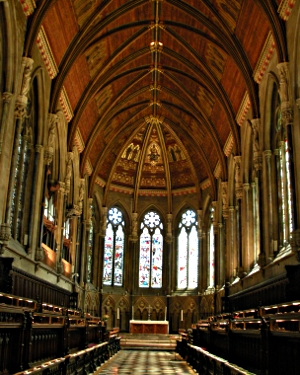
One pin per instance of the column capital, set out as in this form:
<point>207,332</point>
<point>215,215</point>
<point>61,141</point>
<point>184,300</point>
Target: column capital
<point>6,97</point>
<point>267,154</point>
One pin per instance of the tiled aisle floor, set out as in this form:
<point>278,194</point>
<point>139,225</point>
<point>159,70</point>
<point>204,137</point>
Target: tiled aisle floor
<point>140,362</point>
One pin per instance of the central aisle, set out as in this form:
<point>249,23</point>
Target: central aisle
<point>144,362</point>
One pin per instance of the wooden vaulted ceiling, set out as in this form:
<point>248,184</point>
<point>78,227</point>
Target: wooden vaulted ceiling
<point>156,86</point>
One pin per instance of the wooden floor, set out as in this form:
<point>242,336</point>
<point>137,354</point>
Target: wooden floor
<point>144,362</point>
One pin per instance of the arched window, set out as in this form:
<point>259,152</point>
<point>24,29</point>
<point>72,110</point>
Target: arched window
<point>211,267</point>
<point>187,250</point>
<point>114,248</point>
<point>49,221</point>
<point>283,168</point>
<point>151,251</point>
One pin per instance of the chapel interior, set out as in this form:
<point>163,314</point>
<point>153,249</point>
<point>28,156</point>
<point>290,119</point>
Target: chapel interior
<point>150,181</point>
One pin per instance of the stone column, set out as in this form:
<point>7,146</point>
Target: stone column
<point>201,249</point>
<point>247,229</point>
<point>221,255</point>
<point>6,100</point>
<point>60,226</point>
<point>231,254</point>
<point>269,212</point>
<point>258,185</point>
<point>169,242</point>
<point>225,267</point>
<point>295,235</point>
<point>255,223</point>
<point>216,245</point>
<point>204,263</point>
<point>133,243</point>
<point>239,196</point>
<point>287,115</point>
<point>102,234</point>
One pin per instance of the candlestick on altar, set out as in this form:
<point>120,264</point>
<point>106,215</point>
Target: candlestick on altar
<point>165,313</point>
<point>181,316</point>
<point>132,310</point>
<point>149,312</point>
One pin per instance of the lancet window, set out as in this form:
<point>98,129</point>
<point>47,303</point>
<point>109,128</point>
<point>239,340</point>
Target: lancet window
<point>187,250</point>
<point>151,251</point>
<point>114,248</point>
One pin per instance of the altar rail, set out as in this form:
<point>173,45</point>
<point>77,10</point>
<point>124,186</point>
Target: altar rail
<point>265,340</point>
<point>32,333</point>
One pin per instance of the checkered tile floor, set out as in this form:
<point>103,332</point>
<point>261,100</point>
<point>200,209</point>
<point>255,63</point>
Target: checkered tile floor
<point>144,362</point>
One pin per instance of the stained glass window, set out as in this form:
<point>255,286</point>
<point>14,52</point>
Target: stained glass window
<point>187,250</point>
<point>151,251</point>
<point>114,248</point>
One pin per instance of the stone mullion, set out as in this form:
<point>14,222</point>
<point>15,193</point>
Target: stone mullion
<point>221,255</point>
<point>6,98</point>
<point>61,199</point>
<point>269,206</point>
<point>15,233</point>
<point>287,114</point>
<point>13,168</point>
<point>286,194</point>
<point>204,263</point>
<point>247,229</point>
<point>216,246</point>
<point>256,227</point>
<point>200,250</point>
<point>83,254</point>
<point>231,245</point>
<point>279,192</point>
<point>239,248</point>
<point>96,260</point>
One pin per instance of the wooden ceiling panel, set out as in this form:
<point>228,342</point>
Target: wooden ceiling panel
<point>180,67</point>
<point>252,30</point>
<point>61,27</point>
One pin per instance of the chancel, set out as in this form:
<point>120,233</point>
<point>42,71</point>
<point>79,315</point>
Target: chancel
<point>150,184</point>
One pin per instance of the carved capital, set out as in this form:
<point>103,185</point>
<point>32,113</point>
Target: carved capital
<point>257,162</point>
<point>287,113</point>
<point>21,107</point>
<point>38,148</point>
<point>5,232</point>
<point>267,155</point>
<point>75,210</point>
<point>6,97</point>
<point>48,155</point>
<point>27,63</point>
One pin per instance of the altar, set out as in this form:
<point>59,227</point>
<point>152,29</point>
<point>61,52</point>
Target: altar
<point>149,326</point>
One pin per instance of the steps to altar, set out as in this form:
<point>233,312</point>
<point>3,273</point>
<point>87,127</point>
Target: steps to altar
<point>141,341</point>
